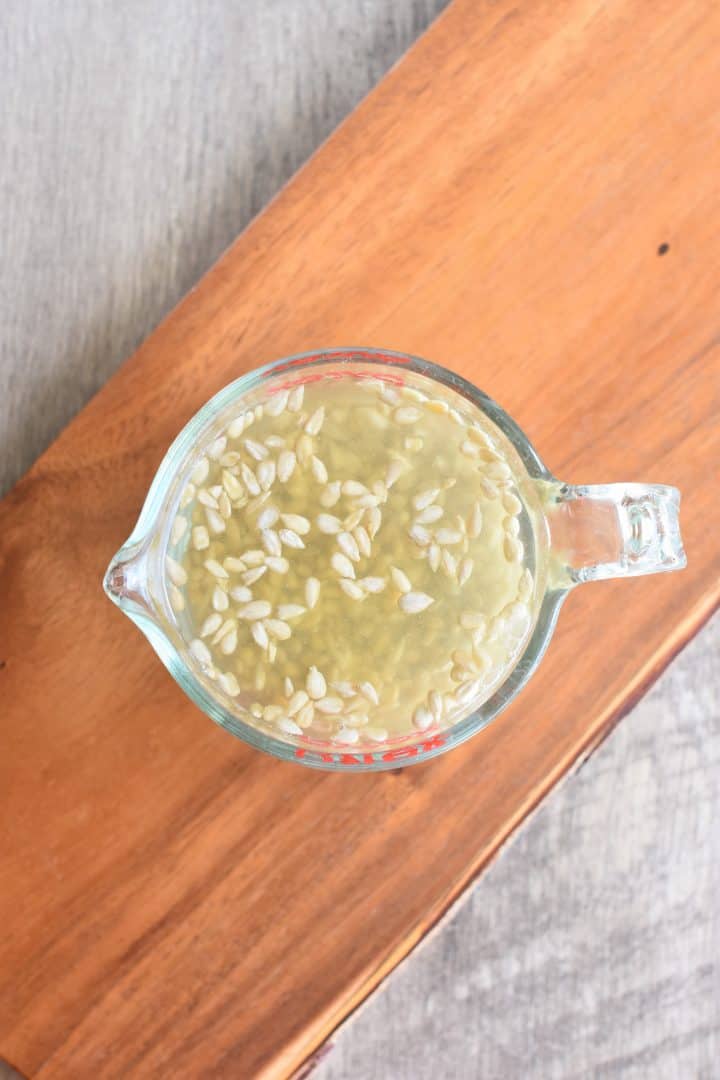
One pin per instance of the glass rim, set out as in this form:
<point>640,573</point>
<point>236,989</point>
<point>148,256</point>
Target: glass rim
<point>347,759</point>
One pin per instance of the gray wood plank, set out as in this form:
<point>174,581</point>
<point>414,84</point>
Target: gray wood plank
<point>138,140</point>
<point>591,947</point>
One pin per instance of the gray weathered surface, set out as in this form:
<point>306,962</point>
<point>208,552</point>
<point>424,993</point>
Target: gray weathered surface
<point>591,947</point>
<point>138,139</point>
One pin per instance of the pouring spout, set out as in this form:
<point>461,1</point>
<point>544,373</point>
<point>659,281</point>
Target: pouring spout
<point>126,579</point>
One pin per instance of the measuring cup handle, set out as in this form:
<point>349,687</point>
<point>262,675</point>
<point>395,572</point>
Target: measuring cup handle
<point>604,531</point>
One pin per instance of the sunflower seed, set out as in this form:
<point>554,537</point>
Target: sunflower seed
<point>297,701</point>
<point>407,414</point>
<point>306,715</point>
<point>414,602</point>
<point>215,521</point>
<point>318,470</point>
<point>256,557</point>
<point>200,651</point>
<point>232,485</point>
<point>251,576</point>
<point>224,505</point>
<point>256,449</point>
<point>372,584</point>
<point>511,503</point>
<point>249,479</point>
<point>369,692</point>
<point>258,503</point>
<point>271,541</point>
<point>266,474</point>
<point>348,545</point>
<point>347,736</point>
<point>448,536</point>
<point>259,635</point>
<point>330,494</point>
<point>176,573</point>
<point>295,399</point>
<point>374,520</point>
<point>314,424</point>
<point>393,474</point>
<point>389,394</point>
<point>288,726</point>
<point>330,706</point>
<point>315,684</point>
<point>286,465</point>
<point>277,403</point>
<point>465,569</point>
<point>425,498</point>
<point>278,564</point>
<point>489,489</point>
<point>229,683</point>
<point>290,611</point>
<point>304,449</point>
<point>228,644</point>
<point>415,443</point>
<point>353,519</point>
<point>234,565</point>
<point>278,628</point>
<point>200,471</point>
<point>429,515</point>
<point>449,563</point>
<point>312,592</point>
<point>422,718</point>
<point>177,600</point>
<point>483,660</point>
<point>256,609</point>
<point>342,565</point>
<point>211,624</point>
<point>225,629</point>
<point>214,567</point>
<point>525,585</point>
<point>267,518</point>
<point>220,600</point>
<point>351,589</point>
<point>511,525</point>
<point>419,535</point>
<point>206,499</point>
<point>400,579</point>
<point>355,720</point>
<point>187,496</point>
<point>353,488</point>
<point>344,689</point>
<point>236,427</point>
<point>276,442</point>
<point>241,594</point>
<point>179,528</point>
<point>513,549</point>
<point>434,557</point>
<point>297,523</point>
<point>376,734</point>
<point>291,539</point>
<point>435,704</point>
<point>362,540</point>
<point>217,448</point>
<point>475,522</point>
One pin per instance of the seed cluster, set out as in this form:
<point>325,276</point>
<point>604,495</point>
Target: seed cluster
<point>347,562</point>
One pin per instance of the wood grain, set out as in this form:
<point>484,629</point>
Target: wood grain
<point>497,205</point>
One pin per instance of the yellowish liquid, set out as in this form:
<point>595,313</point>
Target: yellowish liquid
<point>350,561</point>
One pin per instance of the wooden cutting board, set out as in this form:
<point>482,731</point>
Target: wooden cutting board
<point>529,198</point>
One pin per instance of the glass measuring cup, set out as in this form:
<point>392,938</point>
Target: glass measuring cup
<point>566,535</point>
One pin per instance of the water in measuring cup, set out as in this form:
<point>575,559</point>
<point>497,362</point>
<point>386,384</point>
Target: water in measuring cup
<point>351,560</point>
